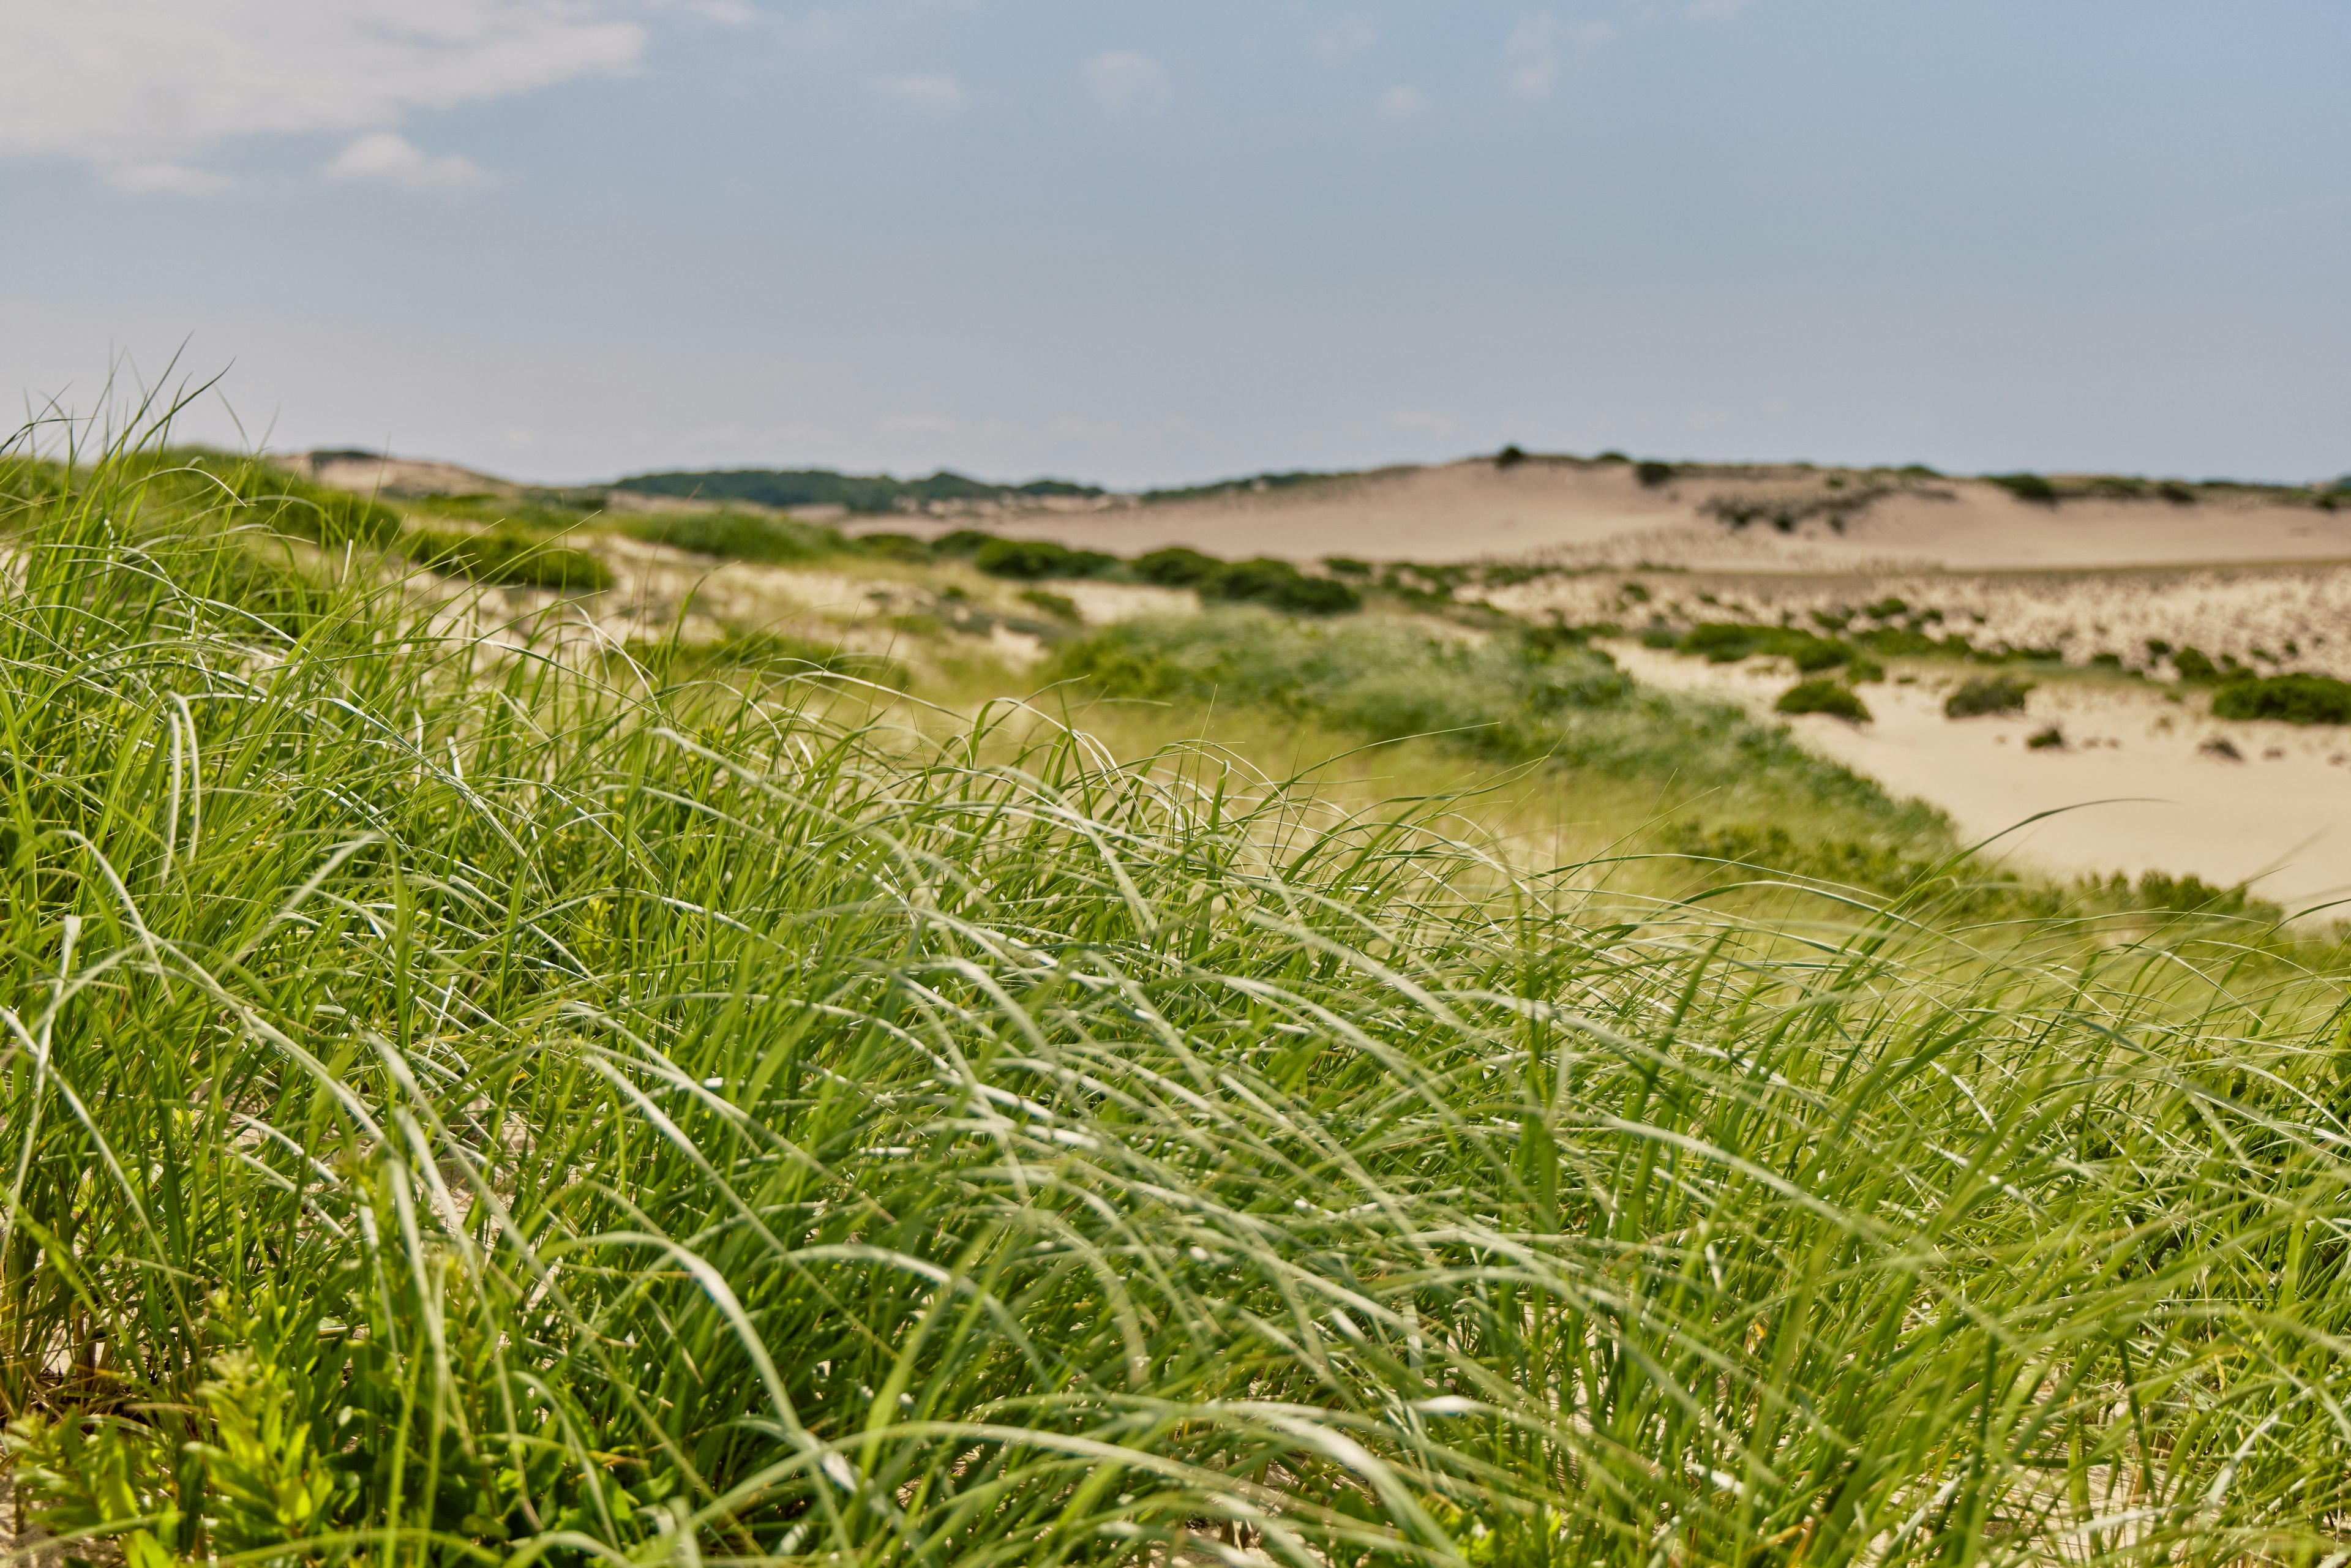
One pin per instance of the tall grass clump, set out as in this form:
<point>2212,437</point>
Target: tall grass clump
<point>460,1105</point>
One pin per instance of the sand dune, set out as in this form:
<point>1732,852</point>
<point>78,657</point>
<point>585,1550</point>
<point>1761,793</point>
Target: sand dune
<point>1601,514</point>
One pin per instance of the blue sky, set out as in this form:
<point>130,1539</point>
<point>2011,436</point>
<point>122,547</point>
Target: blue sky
<point>1134,244</point>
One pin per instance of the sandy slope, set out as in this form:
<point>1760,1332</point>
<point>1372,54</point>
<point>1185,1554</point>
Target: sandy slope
<point>2136,788</point>
<point>1601,514</point>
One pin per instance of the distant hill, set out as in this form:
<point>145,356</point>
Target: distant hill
<point>868,492</point>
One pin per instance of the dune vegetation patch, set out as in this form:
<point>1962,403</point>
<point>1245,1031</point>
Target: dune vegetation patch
<point>1833,698</point>
<point>1997,695</point>
<point>2293,697</point>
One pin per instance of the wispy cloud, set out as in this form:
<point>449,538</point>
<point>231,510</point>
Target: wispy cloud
<point>142,88</point>
<point>1127,85</point>
<point>394,160</point>
<point>939,96</point>
<point>1541,46</point>
<point>1403,101</point>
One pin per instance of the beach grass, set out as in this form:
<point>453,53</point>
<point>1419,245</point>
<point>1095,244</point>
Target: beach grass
<point>472,1096</point>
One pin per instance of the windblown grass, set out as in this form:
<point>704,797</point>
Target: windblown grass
<point>461,1104</point>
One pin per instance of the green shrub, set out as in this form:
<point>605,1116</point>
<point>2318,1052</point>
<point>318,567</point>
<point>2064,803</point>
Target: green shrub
<point>1998,694</point>
<point>514,559</point>
<point>2178,494</point>
<point>2195,669</point>
<point>1059,606</point>
<point>2193,895</point>
<point>2026,488</point>
<point>1034,559</point>
<point>2051,739</point>
<point>904,547</point>
<point>2296,698</point>
<point>736,536</point>
<point>1346,566</point>
<point>1725,643</point>
<point>1279,585</point>
<point>1509,457</point>
<point>1651,474</point>
<point>962,542</point>
<point>1177,565</point>
<point>1831,697</point>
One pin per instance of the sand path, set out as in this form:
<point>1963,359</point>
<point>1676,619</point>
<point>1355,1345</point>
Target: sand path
<point>2134,790</point>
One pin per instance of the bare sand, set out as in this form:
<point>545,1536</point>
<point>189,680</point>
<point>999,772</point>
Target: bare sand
<point>2134,786</point>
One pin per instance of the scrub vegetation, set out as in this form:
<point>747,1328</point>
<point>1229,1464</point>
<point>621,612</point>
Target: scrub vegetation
<point>476,1098</point>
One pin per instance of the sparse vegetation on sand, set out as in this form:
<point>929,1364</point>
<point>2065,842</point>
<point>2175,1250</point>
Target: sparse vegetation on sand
<point>1833,698</point>
<point>2000,694</point>
<point>474,1098</point>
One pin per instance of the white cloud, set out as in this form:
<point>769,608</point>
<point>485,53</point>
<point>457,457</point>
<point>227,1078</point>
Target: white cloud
<point>141,85</point>
<point>161,177</point>
<point>1344,40</point>
<point>1127,85</point>
<point>396,160</point>
<point>1402,102</point>
<point>1541,46</point>
<point>1717,10</point>
<point>937,96</point>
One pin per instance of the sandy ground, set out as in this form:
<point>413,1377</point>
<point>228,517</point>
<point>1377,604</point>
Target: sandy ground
<point>1601,514</point>
<point>2134,789</point>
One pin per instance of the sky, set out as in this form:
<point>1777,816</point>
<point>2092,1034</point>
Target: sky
<point>1143,244</point>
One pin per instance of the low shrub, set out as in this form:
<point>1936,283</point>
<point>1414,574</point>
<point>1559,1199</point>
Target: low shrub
<point>1998,694</point>
<point>2195,669</point>
<point>2178,494</point>
<point>2296,698</point>
<point>1831,698</point>
<point>1725,643</point>
<point>891,547</point>
<point>1177,565</point>
<point>2193,895</point>
<point>1031,559</point>
<point>2026,488</point>
<point>736,536</point>
<point>1277,585</point>
<point>1651,475</point>
<point>2049,739</point>
<point>1059,606</point>
<point>1346,566</point>
<point>509,557</point>
<point>963,542</point>
<point>1509,457</point>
